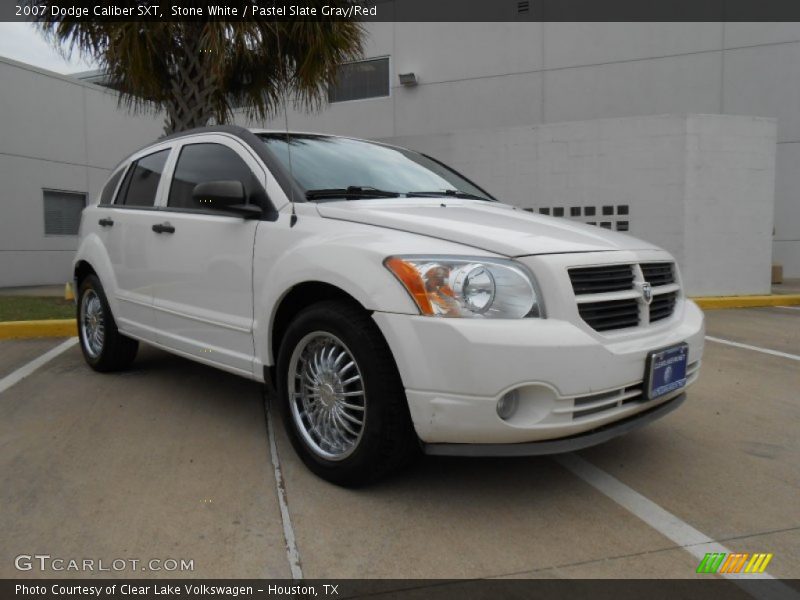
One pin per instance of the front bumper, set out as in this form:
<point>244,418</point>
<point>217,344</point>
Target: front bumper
<point>561,445</point>
<point>570,379</point>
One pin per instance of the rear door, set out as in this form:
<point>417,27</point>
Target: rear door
<point>126,231</point>
<point>203,278</point>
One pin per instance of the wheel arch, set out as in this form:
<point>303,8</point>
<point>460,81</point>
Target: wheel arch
<point>82,270</point>
<point>92,258</point>
<point>294,300</point>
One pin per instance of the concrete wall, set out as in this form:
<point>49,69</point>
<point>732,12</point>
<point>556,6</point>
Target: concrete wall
<point>487,75</point>
<point>55,133</point>
<point>700,186</point>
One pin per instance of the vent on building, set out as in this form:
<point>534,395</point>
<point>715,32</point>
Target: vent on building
<point>579,213</point>
<point>362,79</point>
<point>523,7</point>
<point>62,212</point>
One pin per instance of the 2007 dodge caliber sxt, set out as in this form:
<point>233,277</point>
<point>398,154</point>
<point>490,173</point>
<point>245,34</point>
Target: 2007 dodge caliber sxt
<point>393,304</point>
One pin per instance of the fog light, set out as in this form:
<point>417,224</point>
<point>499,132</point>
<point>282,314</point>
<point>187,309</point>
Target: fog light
<point>507,405</point>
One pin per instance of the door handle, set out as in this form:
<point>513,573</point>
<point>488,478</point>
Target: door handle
<point>163,228</point>
<point>106,222</point>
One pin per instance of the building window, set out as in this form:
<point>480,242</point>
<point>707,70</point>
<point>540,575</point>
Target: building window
<point>362,79</point>
<point>62,212</point>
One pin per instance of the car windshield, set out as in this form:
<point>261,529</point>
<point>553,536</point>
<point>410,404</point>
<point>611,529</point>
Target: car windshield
<point>333,167</point>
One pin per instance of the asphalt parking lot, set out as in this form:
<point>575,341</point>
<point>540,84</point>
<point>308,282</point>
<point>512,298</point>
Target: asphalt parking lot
<point>174,460</point>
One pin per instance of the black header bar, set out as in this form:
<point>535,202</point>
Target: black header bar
<point>409,10</point>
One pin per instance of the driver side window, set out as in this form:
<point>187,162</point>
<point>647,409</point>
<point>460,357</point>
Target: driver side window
<point>200,163</point>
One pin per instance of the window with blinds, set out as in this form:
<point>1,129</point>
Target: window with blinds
<point>62,212</point>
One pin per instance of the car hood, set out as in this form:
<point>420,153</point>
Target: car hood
<point>492,226</point>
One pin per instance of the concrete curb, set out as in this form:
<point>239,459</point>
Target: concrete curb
<point>34,329</point>
<point>713,302</point>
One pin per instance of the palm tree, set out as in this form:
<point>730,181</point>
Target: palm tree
<point>200,71</point>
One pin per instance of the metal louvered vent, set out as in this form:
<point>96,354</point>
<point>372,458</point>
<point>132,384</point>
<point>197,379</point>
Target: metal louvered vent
<point>361,79</point>
<point>610,314</point>
<point>662,306</point>
<point>598,280</point>
<point>62,212</point>
<point>523,7</point>
<point>658,273</point>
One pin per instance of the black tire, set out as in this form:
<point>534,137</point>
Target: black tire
<point>116,351</point>
<point>387,440</point>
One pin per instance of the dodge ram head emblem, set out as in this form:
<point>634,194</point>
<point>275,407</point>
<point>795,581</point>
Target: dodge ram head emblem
<point>647,292</point>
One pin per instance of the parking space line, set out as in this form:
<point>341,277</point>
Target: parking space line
<point>292,553</point>
<point>670,526</point>
<point>754,348</point>
<point>16,376</point>
<point>789,307</point>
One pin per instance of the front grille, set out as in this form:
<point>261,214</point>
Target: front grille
<point>598,280</point>
<point>658,273</point>
<point>622,308</point>
<point>662,306</point>
<point>610,314</point>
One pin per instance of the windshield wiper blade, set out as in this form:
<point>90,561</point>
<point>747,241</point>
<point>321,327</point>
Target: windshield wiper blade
<point>353,191</point>
<point>451,193</point>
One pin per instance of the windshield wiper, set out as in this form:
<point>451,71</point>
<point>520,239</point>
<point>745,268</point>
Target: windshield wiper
<point>350,192</point>
<point>451,193</point>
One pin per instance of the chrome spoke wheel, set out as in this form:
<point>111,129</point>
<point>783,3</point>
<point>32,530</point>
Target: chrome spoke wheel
<point>326,395</point>
<point>92,323</point>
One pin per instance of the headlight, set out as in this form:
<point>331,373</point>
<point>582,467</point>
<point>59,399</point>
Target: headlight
<point>448,286</point>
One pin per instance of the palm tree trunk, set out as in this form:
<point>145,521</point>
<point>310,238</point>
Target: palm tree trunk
<point>193,86</point>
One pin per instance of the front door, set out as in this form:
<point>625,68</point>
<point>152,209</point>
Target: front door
<point>203,280</point>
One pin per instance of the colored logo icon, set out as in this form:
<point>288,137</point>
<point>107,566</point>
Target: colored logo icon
<point>734,562</point>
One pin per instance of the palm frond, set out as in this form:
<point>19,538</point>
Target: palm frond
<point>251,66</point>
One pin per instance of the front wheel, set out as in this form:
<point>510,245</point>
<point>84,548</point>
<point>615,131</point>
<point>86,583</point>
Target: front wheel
<point>344,404</point>
<point>104,347</point>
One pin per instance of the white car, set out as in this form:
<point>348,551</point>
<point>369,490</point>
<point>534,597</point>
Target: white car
<point>394,304</point>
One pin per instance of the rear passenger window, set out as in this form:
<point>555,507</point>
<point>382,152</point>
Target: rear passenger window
<point>141,182</point>
<point>107,197</point>
<point>199,163</point>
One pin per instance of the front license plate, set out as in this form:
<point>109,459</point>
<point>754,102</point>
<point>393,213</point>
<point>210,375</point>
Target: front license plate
<point>665,370</point>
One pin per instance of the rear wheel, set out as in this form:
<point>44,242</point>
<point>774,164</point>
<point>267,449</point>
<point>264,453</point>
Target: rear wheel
<point>344,404</point>
<point>104,347</point>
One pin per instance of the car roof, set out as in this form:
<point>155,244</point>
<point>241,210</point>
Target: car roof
<point>238,131</point>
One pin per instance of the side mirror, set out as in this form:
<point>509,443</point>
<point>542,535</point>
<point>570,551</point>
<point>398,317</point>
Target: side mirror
<point>225,196</point>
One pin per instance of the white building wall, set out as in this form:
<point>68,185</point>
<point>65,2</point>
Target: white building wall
<point>488,75</point>
<point>699,186</point>
<point>55,133</point>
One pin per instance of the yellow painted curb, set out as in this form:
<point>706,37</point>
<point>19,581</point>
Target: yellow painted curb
<point>713,302</point>
<point>33,329</point>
